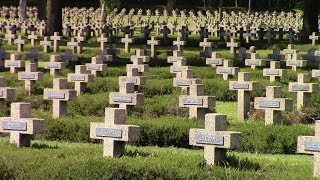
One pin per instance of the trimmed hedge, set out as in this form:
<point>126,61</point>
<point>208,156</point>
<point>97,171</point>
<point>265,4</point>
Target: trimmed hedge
<point>174,131</point>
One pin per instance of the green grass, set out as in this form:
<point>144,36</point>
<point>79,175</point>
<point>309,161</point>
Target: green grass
<point>52,160</point>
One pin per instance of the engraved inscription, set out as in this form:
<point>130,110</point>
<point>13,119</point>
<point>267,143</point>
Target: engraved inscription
<point>184,82</point>
<point>93,67</point>
<point>312,146</point>
<point>15,126</point>
<point>27,76</point>
<point>272,72</point>
<point>108,132</point>
<point>298,87</point>
<point>12,63</point>
<point>225,70</point>
<point>129,80</point>
<point>122,99</point>
<point>209,139</point>
<point>56,95</point>
<point>78,77</point>
<point>269,104</point>
<point>52,65</point>
<point>193,101</point>
<point>240,86</point>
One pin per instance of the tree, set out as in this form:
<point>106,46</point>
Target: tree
<point>249,7</point>
<point>310,19</point>
<point>54,17</point>
<point>170,5</point>
<point>23,9</point>
<point>107,6</point>
<point>41,6</point>
<point>220,9</point>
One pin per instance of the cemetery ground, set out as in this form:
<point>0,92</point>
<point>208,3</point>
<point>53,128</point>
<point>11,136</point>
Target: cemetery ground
<point>66,150</point>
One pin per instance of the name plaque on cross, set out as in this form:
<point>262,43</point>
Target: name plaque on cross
<point>20,41</point>
<point>225,70</point>
<point>316,74</point>
<point>129,80</point>
<point>272,72</point>
<point>209,139</point>
<point>56,95</point>
<point>298,87</point>
<point>212,61</point>
<point>123,99</point>
<point>293,63</point>
<point>44,43</point>
<point>205,44</point>
<point>1,93</point>
<point>108,132</point>
<point>193,101</point>
<point>173,59</point>
<point>52,65</point>
<point>312,146</point>
<point>93,67</point>
<point>13,63</point>
<point>27,76</point>
<point>184,82</point>
<point>269,104</point>
<point>240,86</point>
<point>72,44</point>
<point>78,78</point>
<point>253,62</point>
<point>14,126</point>
<point>176,69</point>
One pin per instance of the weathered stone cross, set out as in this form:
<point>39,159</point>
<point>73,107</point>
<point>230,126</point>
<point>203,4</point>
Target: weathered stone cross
<point>215,139</point>
<point>273,104</point>
<point>243,86</point>
<point>80,78</point>
<point>30,76</point>
<point>114,132</point>
<point>227,69</point>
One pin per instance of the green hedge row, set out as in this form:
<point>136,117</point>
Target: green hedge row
<point>174,131</point>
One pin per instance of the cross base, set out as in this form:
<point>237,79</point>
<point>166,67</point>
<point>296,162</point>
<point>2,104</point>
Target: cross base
<point>22,140</point>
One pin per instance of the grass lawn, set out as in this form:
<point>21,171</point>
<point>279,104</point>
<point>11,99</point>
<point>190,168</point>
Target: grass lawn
<point>49,159</point>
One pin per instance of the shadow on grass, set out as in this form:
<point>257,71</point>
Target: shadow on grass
<point>241,163</point>
<point>43,146</point>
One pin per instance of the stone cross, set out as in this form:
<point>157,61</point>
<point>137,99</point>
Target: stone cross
<point>11,37</point>
<point>33,37</point>
<point>273,104</point>
<point>176,56</point>
<point>274,72</point>
<point>140,54</point>
<point>185,79</point>
<point>21,125</point>
<point>255,61</point>
<point>243,86</point>
<point>3,56</point>
<point>133,76</point>
<point>313,38</point>
<point>55,38</point>
<point>178,66</point>
<point>103,41</point>
<point>69,56</point>
<point>96,67</point>
<point>215,138</point>
<point>205,43</point>
<point>75,46</point>
<point>14,63</point>
<point>60,95</point>
<point>80,78</point>
<point>215,60</point>
<point>138,63</point>
<point>30,76</point>
<point>153,43</point>
<point>197,102</point>
<point>55,65</point>
<point>232,44</point>
<point>179,43</point>
<point>114,132</point>
<point>20,42</point>
<point>127,40</point>
<point>46,44</point>
<point>34,56</point>
<point>294,61</point>
<point>311,145</point>
<point>6,93</point>
<point>126,97</point>
<point>303,88</point>
<point>276,55</point>
<point>290,50</point>
<point>227,69</point>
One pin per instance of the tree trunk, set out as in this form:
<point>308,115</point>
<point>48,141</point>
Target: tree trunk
<point>249,7</point>
<point>220,9</point>
<point>103,11</point>
<point>236,3</point>
<point>54,17</point>
<point>23,9</point>
<point>41,9</point>
<point>310,19</point>
<point>170,5</point>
